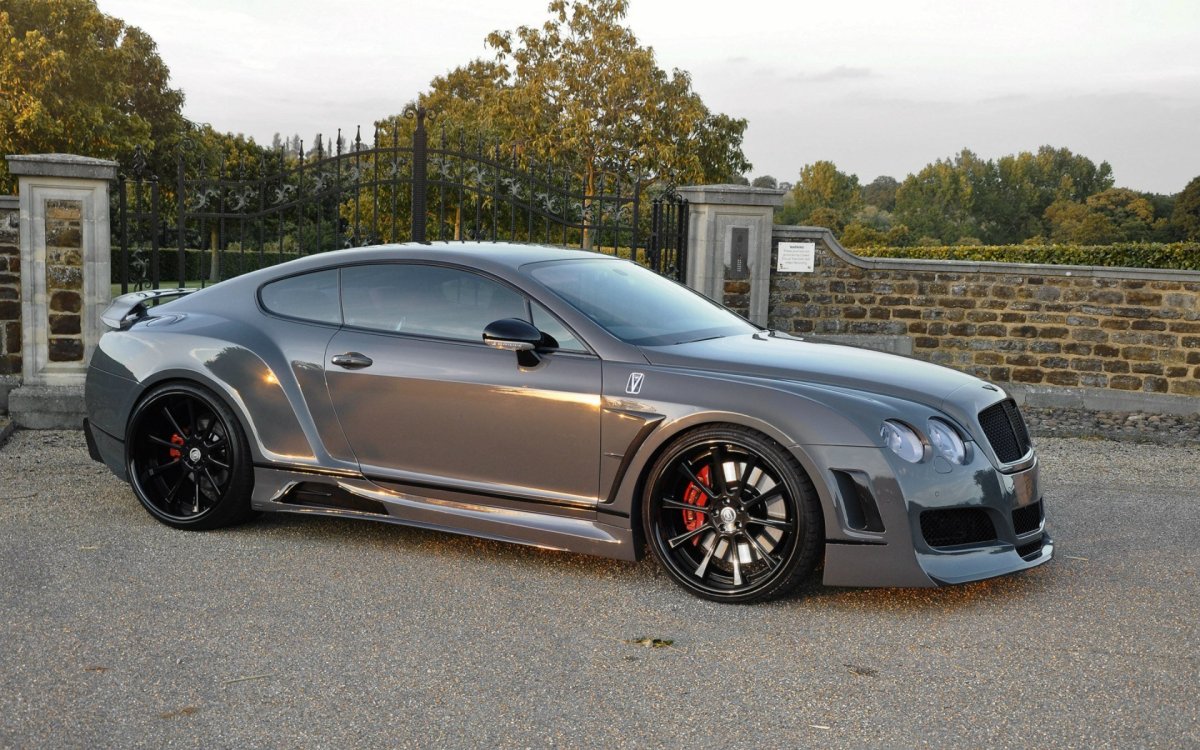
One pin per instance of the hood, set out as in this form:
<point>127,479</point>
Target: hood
<point>789,358</point>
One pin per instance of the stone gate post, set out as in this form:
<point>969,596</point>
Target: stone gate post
<point>729,245</point>
<point>65,261</point>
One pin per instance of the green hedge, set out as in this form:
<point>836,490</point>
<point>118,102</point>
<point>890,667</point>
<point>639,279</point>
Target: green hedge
<point>1176,255</point>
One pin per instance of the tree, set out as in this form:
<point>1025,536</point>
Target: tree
<point>823,185</point>
<point>1073,222</point>
<point>873,217</point>
<point>765,181</point>
<point>936,202</point>
<point>1000,201</point>
<point>1185,218</point>
<point>580,90</point>
<point>1025,184</point>
<point>860,235</point>
<point>75,80</point>
<point>881,193</point>
<point>830,218</point>
<point>1131,214</point>
<point>718,142</point>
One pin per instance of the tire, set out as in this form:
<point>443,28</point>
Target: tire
<point>188,460</point>
<point>747,533</point>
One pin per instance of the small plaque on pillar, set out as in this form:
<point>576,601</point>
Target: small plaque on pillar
<point>796,257</point>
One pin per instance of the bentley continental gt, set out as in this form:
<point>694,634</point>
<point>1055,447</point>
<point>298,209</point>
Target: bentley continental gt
<point>563,399</point>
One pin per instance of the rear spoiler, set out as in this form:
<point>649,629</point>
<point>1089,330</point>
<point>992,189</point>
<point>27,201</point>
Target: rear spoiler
<point>130,308</point>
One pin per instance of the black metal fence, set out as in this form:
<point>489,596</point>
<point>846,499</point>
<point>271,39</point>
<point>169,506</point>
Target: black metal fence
<point>221,219</point>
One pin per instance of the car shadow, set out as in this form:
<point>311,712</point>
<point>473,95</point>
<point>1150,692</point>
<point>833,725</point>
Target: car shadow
<point>463,550</point>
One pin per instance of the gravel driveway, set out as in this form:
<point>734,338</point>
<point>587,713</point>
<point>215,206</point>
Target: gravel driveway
<point>306,632</point>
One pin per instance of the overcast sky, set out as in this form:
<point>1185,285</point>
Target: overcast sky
<point>878,87</point>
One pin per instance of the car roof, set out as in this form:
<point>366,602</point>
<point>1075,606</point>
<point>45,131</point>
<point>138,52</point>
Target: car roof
<point>483,255</point>
<point>502,259</point>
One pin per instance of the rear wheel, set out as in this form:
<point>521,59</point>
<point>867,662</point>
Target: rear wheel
<point>189,463</point>
<point>732,516</point>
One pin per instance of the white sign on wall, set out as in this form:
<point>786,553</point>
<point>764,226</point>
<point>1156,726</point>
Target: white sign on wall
<point>796,257</point>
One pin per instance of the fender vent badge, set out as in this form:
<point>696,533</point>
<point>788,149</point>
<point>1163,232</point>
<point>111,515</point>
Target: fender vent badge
<point>634,385</point>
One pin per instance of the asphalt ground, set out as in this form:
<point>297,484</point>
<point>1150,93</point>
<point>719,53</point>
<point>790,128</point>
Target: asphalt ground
<point>305,632</point>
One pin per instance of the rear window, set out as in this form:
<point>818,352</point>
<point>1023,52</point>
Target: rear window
<point>309,296</point>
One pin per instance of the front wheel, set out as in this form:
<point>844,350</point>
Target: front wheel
<point>732,516</point>
<point>189,463</point>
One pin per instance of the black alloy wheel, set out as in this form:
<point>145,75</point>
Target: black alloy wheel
<point>732,516</point>
<point>188,459</point>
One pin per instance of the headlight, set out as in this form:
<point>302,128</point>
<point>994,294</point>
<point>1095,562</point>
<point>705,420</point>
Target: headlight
<point>903,441</point>
<point>946,442</point>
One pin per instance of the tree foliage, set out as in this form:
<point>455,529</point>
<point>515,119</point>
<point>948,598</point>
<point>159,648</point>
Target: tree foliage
<point>581,90</point>
<point>996,201</point>
<point>1031,197</point>
<point>823,196</point>
<point>881,192</point>
<point>1186,215</point>
<point>75,80</point>
<point>936,202</point>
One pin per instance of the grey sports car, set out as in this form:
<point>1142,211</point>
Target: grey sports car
<point>567,400</point>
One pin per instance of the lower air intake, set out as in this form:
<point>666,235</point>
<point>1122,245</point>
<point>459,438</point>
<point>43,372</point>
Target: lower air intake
<point>955,526</point>
<point>1027,519</point>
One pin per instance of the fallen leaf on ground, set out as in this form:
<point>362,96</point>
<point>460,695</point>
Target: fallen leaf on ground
<point>650,642</point>
<point>861,671</point>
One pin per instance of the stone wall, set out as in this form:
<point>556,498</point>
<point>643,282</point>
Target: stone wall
<point>10,288</point>
<point>1039,328</point>
<point>64,279</point>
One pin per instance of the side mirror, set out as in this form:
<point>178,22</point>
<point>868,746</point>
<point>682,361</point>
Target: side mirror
<point>512,334</point>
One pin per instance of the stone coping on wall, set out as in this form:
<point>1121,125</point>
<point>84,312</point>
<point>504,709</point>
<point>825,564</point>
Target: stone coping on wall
<point>61,165</point>
<point>789,232</point>
<point>10,203</point>
<point>741,195</point>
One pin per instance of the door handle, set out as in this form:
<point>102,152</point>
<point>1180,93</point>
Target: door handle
<point>352,360</point>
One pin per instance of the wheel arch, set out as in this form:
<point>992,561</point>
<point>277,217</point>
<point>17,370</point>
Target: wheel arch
<point>252,391</point>
<point>219,389</point>
<point>634,484</point>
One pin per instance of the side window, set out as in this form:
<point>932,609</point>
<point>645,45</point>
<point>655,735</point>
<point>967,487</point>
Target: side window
<point>548,324</point>
<point>310,296</point>
<point>426,300</point>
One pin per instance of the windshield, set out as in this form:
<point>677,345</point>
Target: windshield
<point>637,305</point>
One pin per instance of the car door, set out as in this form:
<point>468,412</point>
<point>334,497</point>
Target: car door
<point>425,403</point>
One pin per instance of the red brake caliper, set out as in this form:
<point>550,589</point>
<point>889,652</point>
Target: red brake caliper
<point>693,495</point>
<point>177,439</point>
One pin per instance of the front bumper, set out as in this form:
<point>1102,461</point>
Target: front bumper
<point>901,553</point>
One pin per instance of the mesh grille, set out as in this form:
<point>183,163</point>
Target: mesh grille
<point>1005,430</point>
<point>947,528</point>
<point>1027,519</point>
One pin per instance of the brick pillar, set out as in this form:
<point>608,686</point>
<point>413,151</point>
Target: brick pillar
<point>65,281</point>
<point>729,245</point>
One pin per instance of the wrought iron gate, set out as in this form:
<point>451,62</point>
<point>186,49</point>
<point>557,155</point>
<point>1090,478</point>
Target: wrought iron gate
<point>222,219</point>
